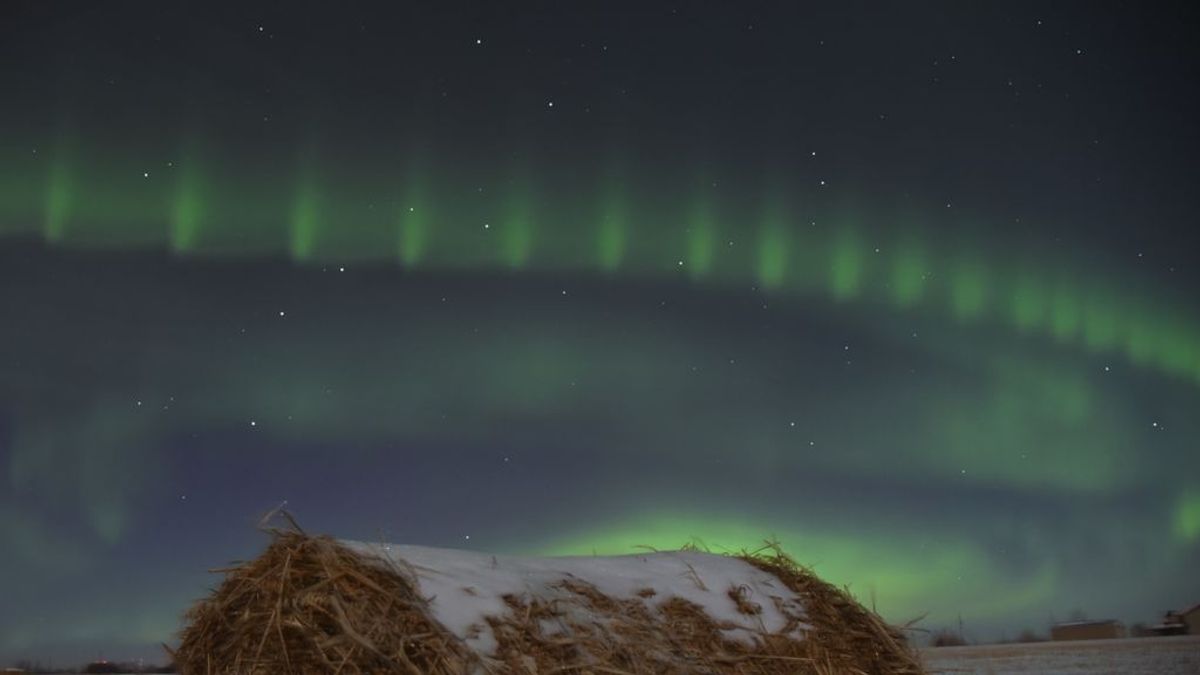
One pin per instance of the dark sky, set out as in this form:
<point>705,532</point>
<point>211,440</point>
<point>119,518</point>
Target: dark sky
<point>911,287</point>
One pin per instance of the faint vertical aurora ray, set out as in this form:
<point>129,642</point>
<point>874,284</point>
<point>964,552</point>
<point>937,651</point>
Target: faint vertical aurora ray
<point>1027,302</point>
<point>60,189</point>
<point>700,231</point>
<point>774,244</point>
<point>517,233</point>
<point>187,208</point>
<point>847,263</point>
<point>612,233</point>
<point>413,226</point>
<point>304,219</point>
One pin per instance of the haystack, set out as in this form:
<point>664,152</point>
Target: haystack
<point>313,604</point>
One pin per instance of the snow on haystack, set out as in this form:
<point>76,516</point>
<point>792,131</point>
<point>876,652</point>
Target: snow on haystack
<point>317,605</point>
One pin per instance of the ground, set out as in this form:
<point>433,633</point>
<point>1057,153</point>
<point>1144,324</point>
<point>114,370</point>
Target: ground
<point>1133,656</point>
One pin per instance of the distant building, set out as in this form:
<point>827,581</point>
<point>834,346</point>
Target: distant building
<point>1088,630</point>
<point>1185,622</point>
<point>1191,619</point>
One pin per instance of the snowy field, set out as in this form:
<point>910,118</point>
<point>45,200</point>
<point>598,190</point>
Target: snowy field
<point>1134,656</point>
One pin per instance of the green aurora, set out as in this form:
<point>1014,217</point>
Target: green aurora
<point>791,246</point>
<point>796,243</point>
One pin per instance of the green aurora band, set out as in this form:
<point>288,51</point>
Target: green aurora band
<point>194,210</point>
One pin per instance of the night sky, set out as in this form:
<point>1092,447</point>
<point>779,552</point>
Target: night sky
<point>911,287</point>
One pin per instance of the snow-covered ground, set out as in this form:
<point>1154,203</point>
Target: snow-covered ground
<point>465,587</point>
<point>1133,656</point>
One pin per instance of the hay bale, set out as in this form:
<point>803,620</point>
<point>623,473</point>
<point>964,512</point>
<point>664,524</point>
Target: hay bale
<point>315,605</point>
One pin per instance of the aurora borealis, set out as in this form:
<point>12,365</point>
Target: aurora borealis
<point>912,289</point>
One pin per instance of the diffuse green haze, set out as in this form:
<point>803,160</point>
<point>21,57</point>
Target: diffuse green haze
<point>192,206</point>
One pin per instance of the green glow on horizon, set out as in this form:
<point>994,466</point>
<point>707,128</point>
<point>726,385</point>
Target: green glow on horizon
<point>1187,516</point>
<point>846,265</point>
<point>968,290</point>
<point>908,579</point>
<point>701,241</point>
